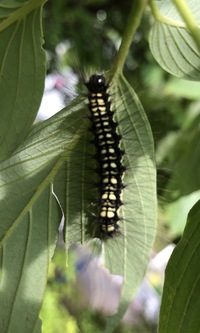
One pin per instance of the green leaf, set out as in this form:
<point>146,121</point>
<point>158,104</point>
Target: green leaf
<point>22,72</point>
<point>183,88</point>
<point>9,7</point>
<point>36,162</point>
<point>180,301</point>
<point>24,265</point>
<point>126,255</point>
<point>177,212</point>
<point>171,44</point>
<point>185,158</point>
<point>129,256</point>
<point>30,216</point>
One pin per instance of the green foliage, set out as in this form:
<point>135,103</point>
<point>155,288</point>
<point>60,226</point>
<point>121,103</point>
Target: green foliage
<point>54,313</point>
<point>40,169</point>
<point>21,83</point>
<point>180,303</point>
<point>180,55</point>
<point>77,23</point>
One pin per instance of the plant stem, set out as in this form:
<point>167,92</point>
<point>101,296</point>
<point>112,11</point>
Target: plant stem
<point>189,19</point>
<point>130,29</point>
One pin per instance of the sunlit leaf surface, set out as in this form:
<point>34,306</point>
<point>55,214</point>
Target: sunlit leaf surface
<point>172,45</point>
<point>30,216</point>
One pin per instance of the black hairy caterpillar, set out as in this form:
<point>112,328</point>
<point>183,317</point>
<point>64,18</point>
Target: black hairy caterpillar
<point>136,170</point>
<point>108,154</point>
<point>134,224</point>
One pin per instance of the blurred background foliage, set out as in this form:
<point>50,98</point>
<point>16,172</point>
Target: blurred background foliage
<point>65,308</point>
<point>82,34</point>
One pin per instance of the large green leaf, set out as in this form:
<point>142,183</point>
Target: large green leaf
<point>171,44</point>
<point>129,256</point>
<point>180,301</point>
<point>9,7</point>
<point>22,71</point>
<point>126,255</point>
<point>30,216</point>
<point>24,265</point>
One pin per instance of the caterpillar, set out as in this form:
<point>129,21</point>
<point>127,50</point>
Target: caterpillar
<point>108,154</point>
<point>110,187</point>
<point>131,188</point>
